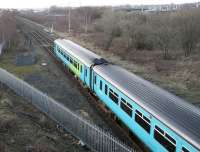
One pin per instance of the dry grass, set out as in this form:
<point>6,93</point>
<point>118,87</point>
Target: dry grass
<point>6,125</point>
<point>39,148</point>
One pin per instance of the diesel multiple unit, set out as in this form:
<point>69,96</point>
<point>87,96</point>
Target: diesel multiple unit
<point>161,120</point>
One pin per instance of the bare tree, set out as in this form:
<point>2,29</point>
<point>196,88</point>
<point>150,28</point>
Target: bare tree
<point>7,27</point>
<point>163,32</point>
<point>137,32</point>
<point>188,23</point>
<point>110,27</point>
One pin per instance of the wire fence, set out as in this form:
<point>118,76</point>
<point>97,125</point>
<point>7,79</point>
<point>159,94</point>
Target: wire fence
<point>91,135</point>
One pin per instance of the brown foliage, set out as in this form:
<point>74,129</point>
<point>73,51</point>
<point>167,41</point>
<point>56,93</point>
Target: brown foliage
<point>7,25</point>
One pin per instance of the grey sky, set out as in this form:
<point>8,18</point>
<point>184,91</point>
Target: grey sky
<point>47,3</point>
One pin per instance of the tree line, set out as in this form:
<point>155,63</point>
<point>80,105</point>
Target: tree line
<point>168,31</point>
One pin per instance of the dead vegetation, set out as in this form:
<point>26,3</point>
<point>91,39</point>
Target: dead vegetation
<point>7,27</point>
<point>6,125</point>
<point>39,148</point>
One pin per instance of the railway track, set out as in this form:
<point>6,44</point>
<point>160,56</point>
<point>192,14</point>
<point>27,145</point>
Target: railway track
<point>45,41</point>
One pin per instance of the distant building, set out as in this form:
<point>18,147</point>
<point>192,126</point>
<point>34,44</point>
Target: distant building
<point>157,8</point>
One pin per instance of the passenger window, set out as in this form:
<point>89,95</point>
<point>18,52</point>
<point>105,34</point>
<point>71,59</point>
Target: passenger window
<point>170,138</point>
<point>113,96</point>
<point>106,89</point>
<point>78,66</point>
<point>95,79</point>
<point>71,61</point>
<point>143,121</point>
<point>75,64</point>
<point>126,107</point>
<point>100,85</point>
<point>184,150</point>
<point>81,68</point>
<point>164,139</point>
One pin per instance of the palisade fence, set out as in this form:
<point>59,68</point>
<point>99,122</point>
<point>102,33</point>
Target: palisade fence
<point>91,135</point>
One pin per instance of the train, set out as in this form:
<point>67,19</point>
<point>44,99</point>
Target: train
<point>161,120</point>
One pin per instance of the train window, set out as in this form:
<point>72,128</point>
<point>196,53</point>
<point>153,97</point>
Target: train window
<point>78,66</point>
<point>106,89</point>
<point>139,113</point>
<point>71,61</point>
<point>86,72</point>
<point>75,65</point>
<point>67,58</point>
<point>95,79</point>
<point>163,139</point>
<point>160,130</point>
<point>143,122</point>
<point>184,150</point>
<point>100,85</point>
<point>81,69</point>
<point>170,138</point>
<point>147,119</point>
<point>126,107</point>
<point>128,104</point>
<point>113,96</point>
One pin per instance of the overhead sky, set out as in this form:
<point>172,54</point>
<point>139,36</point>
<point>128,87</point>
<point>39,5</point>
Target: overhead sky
<point>47,3</point>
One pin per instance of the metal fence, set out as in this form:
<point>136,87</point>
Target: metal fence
<point>91,135</point>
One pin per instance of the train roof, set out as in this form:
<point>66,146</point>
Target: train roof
<point>180,116</point>
<point>84,55</point>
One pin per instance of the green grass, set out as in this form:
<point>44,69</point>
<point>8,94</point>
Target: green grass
<point>7,62</point>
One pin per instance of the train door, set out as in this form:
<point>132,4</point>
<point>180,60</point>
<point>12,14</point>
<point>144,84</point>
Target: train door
<point>87,76</point>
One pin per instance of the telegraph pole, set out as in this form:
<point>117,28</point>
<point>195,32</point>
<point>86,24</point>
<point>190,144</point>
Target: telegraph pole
<point>69,20</point>
<point>86,22</point>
